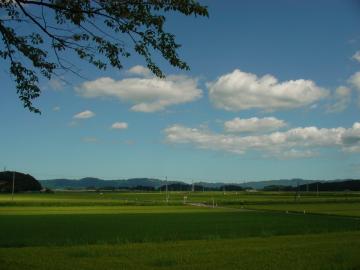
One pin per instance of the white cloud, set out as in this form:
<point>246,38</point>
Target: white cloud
<point>351,139</point>
<point>56,108</point>
<point>84,115</point>
<point>139,70</point>
<point>342,98</point>
<point>241,91</point>
<point>147,94</point>
<point>119,125</point>
<point>253,124</point>
<point>294,143</point>
<point>354,80</point>
<point>356,56</point>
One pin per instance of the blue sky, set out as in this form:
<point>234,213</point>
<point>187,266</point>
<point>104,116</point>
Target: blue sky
<point>273,92</point>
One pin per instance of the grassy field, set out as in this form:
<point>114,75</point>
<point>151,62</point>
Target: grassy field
<point>175,198</point>
<point>115,228</point>
<point>81,230</point>
<point>321,252</point>
<point>343,209</point>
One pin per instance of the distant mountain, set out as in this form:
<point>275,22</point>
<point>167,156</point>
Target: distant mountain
<point>210,185</point>
<point>259,184</point>
<point>282,182</point>
<point>90,182</point>
<point>23,182</point>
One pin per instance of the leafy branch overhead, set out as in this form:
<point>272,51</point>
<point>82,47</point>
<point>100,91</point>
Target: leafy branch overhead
<point>39,36</point>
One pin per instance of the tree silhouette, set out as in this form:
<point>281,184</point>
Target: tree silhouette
<point>39,36</point>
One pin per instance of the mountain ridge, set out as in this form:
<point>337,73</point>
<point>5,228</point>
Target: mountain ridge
<point>92,182</point>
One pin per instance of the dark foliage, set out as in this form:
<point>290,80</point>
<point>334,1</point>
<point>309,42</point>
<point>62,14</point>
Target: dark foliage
<point>23,182</point>
<point>231,188</point>
<point>95,183</point>
<point>180,186</point>
<point>157,184</point>
<point>176,187</point>
<point>351,185</point>
<point>38,36</point>
<point>279,188</point>
<point>142,188</point>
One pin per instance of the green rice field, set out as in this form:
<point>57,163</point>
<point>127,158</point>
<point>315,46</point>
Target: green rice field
<point>204,230</point>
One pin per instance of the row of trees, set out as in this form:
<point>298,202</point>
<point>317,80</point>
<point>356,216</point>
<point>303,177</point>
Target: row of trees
<point>347,185</point>
<point>20,181</point>
<point>170,187</point>
<point>350,185</point>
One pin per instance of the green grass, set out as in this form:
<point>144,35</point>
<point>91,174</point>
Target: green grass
<point>317,252</point>
<point>77,229</point>
<point>344,209</point>
<point>124,209</point>
<point>176,198</point>
<point>128,230</point>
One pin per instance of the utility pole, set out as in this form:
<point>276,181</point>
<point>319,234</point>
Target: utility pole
<point>297,195</point>
<point>299,189</point>
<point>317,189</point>
<point>166,190</point>
<point>192,186</point>
<point>13,186</point>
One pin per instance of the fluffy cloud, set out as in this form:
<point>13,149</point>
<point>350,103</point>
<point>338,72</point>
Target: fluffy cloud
<point>294,143</point>
<point>356,56</point>
<point>355,80</point>
<point>240,91</point>
<point>139,70</point>
<point>351,138</point>
<point>253,124</point>
<point>119,125</point>
<point>342,98</point>
<point>147,94</point>
<point>84,115</point>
